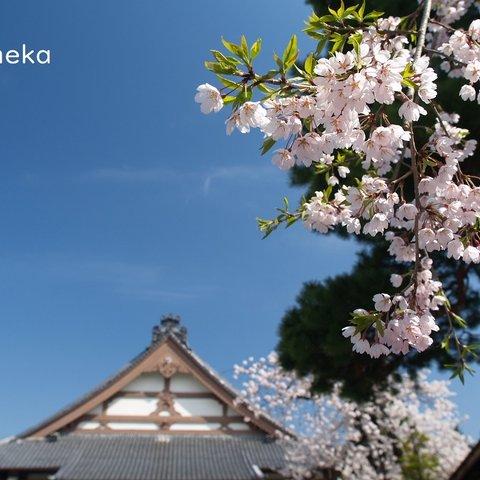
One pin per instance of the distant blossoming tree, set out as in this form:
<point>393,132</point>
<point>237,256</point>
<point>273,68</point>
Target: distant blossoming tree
<point>363,115</point>
<point>408,431</point>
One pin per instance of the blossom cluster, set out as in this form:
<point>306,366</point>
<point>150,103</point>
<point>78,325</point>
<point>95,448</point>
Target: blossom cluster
<point>450,11</point>
<point>327,433</point>
<point>368,101</point>
<point>461,50</point>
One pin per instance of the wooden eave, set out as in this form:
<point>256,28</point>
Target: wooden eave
<point>470,465</point>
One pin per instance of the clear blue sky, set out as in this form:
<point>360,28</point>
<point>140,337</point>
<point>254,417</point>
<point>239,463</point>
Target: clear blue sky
<point>121,202</point>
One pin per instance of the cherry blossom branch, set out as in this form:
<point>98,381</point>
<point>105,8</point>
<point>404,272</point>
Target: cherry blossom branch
<point>339,117</point>
<point>427,8</point>
<point>413,150</point>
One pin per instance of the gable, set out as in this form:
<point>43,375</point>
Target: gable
<point>155,403</point>
<point>167,390</point>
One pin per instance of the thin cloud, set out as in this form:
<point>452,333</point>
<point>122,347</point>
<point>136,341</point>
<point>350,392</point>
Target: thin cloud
<point>141,281</point>
<point>136,175</point>
<point>132,175</point>
<point>237,172</point>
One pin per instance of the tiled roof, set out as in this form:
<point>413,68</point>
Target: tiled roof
<point>134,457</point>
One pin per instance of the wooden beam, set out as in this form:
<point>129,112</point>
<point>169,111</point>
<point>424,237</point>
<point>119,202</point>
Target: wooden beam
<point>165,431</point>
<point>160,420</point>
<point>199,395</point>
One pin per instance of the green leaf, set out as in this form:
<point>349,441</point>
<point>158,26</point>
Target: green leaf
<point>220,57</point>
<point>408,83</point>
<point>446,342</point>
<point>355,41</point>
<point>361,10</point>
<point>228,83</point>
<point>309,64</point>
<point>256,47</point>
<point>380,327</point>
<point>217,67</point>
<point>279,62</point>
<point>333,13</point>
<point>268,143</point>
<point>459,320</point>
<point>458,370</point>
<point>363,322</point>
<point>319,22</point>
<point>290,53</point>
<point>244,96</point>
<point>408,72</point>
<point>244,47</point>
<point>267,226</point>
<point>469,369</point>
<point>373,15</point>
<point>232,47</point>
<point>313,33</point>
<point>350,11</point>
<point>291,220</point>
<point>321,44</point>
<point>229,99</point>
<point>338,43</point>
<point>328,191</point>
<point>299,70</point>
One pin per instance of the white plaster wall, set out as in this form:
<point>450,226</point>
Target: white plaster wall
<point>132,406</point>
<point>132,426</point>
<point>186,383</point>
<point>88,425</point>
<point>195,426</point>
<point>146,382</point>
<point>198,407</point>
<point>239,426</point>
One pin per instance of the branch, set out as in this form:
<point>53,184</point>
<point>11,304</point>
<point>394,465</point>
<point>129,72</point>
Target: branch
<point>413,150</point>
<point>423,29</point>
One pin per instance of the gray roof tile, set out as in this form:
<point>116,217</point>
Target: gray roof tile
<point>133,457</point>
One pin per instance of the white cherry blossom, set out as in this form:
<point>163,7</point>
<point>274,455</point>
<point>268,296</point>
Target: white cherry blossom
<point>209,98</point>
<point>358,441</point>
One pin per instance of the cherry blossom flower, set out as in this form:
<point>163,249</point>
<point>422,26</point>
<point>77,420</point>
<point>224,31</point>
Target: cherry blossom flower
<point>209,98</point>
<point>283,159</point>
<point>411,111</point>
<point>467,92</point>
<point>383,302</point>
<point>396,280</point>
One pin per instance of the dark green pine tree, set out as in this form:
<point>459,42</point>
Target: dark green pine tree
<point>310,332</point>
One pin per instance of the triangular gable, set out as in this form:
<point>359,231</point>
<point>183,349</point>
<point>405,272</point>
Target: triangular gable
<point>167,390</point>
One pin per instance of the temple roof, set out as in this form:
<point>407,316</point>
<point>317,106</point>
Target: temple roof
<point>167,415</point>
<point>167,354</point>
<point>134,457</point>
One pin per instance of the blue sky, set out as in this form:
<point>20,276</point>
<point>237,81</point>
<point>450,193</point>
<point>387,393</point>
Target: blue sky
<point>121,202</point>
